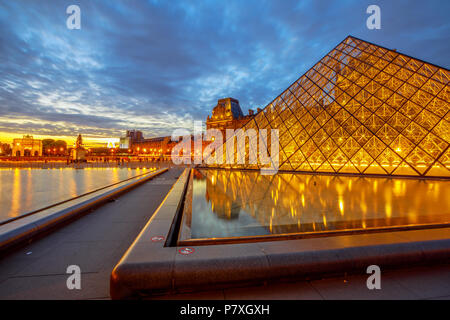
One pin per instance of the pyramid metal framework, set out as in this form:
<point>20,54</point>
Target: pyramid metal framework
<point>362,109</point>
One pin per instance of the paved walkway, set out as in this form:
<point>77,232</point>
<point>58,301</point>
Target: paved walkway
<point>94,242</point>
<point>415,283</point>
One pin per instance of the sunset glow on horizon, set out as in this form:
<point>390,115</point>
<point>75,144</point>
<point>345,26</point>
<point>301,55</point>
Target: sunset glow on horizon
<point>153,73</point>
<point>6,137</point>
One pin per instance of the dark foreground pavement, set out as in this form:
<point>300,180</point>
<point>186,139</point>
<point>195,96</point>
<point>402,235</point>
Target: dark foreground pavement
<point>415,283</point>
<point>94,242</point>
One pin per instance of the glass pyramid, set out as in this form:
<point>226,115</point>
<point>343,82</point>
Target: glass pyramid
<point>362,109</point>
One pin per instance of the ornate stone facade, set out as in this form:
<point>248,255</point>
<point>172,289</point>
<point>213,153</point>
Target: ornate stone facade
<point>27,147</point>
<point>227,114</point>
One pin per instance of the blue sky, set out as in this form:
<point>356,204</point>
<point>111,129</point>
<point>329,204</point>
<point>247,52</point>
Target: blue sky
<point>159,65</point>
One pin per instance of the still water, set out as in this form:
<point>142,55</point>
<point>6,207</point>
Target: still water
<point>222,203</point>
<point>25,190</point>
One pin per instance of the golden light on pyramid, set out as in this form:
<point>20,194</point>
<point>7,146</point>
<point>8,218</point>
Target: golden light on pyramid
<point>363,109</point>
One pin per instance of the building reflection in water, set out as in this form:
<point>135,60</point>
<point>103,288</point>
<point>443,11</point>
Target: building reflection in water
<point>238,203</point>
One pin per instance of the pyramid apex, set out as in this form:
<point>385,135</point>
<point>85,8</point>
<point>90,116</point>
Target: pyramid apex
<point>363,109</point>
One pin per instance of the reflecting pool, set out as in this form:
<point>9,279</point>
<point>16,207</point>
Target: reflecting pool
<point>224,203</point>
<point>25,190</point>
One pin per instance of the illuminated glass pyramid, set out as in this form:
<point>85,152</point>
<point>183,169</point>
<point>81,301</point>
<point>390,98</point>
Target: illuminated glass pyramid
<point>363,109</point>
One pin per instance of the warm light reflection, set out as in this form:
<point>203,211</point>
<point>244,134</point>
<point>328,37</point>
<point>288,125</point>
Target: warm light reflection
<point>16,193</point>
<point>341,206</point>
<point>25,190</point>
<point>237,203</point>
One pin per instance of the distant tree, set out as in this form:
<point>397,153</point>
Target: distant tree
<point>54,148</point>
<point>61,143</point>
<point>47,146</point>
<point>61,147</point>
<point>5,149</point>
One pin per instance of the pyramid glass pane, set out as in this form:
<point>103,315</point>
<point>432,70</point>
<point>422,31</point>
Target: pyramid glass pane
<point>363,109</point>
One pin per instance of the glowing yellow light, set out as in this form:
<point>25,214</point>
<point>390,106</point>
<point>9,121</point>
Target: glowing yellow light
<point>341,206</point>
<point>388,209</point>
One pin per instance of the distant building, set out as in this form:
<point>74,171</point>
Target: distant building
<point>227,114</point>
<point>78,154</point>
<point>27,147</point>
<point>159,147</point>
<point>132,136</point>
<point>125,143</point>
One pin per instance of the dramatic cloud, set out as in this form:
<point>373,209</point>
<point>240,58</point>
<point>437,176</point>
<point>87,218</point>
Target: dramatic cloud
<point>159,65</point>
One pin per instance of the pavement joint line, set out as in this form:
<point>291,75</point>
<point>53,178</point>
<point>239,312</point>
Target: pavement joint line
<point>315,289</point>
<point>436,297</point>
<point>407,289</point>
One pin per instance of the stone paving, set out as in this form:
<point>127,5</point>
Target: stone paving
<point>416,283</point>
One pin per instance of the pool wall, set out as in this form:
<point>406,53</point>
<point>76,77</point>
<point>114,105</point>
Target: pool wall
<point>151,267</point>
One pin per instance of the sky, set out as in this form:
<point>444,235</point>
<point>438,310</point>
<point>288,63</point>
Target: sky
<point>156,66</point>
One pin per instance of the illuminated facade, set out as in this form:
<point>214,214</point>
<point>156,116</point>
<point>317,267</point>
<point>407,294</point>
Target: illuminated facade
<point>363,109</point>
<point>154,148</point>
<point>227,114</point>
<point>27,147</point>
<point>132,136</point>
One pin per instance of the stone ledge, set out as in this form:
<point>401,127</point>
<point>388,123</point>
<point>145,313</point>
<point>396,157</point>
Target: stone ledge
<point>151,268</point>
